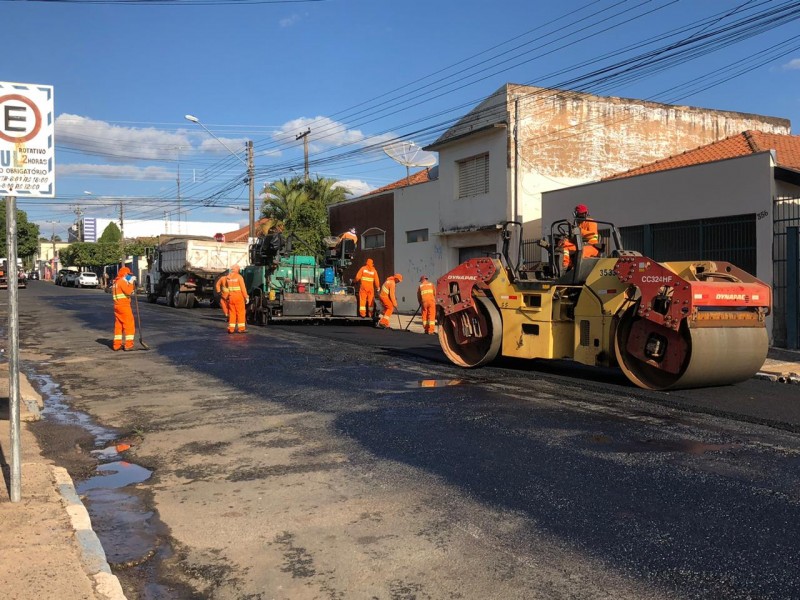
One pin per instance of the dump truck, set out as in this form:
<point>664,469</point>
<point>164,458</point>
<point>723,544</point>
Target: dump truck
<point>666,325</point>
<point>284,286</point>
<point>184,268</point>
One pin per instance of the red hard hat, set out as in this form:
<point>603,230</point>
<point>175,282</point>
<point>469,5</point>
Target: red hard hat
<point>581,209</point>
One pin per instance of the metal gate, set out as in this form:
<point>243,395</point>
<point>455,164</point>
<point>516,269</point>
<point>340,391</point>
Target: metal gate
<point>785,216</point>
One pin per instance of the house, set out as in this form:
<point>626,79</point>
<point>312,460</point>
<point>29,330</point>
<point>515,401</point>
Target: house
<point>729,200</point>
<point>497,161</point>
<point>373,217</point>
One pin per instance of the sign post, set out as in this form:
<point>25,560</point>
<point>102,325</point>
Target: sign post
<point>27,169</point>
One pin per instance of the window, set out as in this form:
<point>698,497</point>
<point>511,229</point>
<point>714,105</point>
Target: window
<point>373,238</point>
<point>473,176</point>
<point>417,235</point>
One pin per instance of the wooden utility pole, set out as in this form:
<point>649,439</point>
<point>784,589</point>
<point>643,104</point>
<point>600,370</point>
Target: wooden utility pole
<point>304,135</point>
<point>251,181</point>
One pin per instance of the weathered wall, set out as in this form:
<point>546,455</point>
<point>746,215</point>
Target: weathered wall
<point>365,214</point>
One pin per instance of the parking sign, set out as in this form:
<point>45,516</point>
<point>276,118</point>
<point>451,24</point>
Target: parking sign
<point>27,144</point>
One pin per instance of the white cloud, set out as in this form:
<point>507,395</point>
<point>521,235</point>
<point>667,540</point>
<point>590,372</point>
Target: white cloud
<point>290,20</point>
<point>356,187</point>
<point>115,143</point>
<point>114,171</point>
<point>325,134</point>
<point>792,65</point>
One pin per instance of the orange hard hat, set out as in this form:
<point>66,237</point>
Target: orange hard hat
<point>123,271</point>
<point>369,262</point>
<point>398,277</point>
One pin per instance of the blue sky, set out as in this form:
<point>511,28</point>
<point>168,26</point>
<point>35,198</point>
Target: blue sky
<point>359,73</point>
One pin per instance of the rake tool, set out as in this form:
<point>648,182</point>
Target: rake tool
<point>414,316</point>
<point>139,321</point>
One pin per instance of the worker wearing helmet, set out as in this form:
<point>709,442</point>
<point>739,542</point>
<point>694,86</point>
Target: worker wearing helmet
<point>369,283</point>
<point>237,301</point>
<point>388,299</point>
<point>349,235</point>
<point>123,287</point>
<point>426,295</point>
<point>589,236</point>
<point>222,291</point>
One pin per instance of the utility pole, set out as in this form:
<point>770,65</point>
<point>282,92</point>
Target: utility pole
<point>53,239</point>
<point>304,135</point>
<point>178,148</point>
<point>251,181</point>
<point>13,349</point>
<point>78,228</point>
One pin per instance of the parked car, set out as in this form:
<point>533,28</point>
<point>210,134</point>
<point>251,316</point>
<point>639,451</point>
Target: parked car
<point>61,276</point>
<point>87,279</point>
<point>70,278</point>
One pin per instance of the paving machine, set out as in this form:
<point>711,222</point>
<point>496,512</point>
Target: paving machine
<point>666,325</point>
<point>286,286</point>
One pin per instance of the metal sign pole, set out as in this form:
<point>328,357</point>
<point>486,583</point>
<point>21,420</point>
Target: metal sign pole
<point>13,348</point>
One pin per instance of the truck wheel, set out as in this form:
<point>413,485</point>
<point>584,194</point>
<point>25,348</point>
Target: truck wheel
<point>171,289</point>
<point>180,298</point>
<point>191,300</point>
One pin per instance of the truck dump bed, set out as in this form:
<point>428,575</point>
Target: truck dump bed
<point>205,257</point>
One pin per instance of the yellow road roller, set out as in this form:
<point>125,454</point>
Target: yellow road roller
<point>666,325</point>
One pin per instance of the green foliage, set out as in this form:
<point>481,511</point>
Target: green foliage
<point>27,233</point>
<point>140,246</point>
<point>111,234</point>
<point>89,254</point>
<point>301,208</point>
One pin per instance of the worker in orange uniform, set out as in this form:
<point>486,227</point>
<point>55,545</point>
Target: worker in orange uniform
<point>349,235</point>
<point>589,235</point>
<point>123,287</point>
<point>388,299</point>
<point>222,292</point>
<point>237,301</point>
<point>369,283</point>
<point>426,294</point>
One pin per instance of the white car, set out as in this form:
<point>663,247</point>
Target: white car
<point>87,280</point>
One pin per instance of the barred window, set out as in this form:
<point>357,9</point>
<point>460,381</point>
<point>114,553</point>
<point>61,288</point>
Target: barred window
<point>417,235</point>
<point>473,176</point>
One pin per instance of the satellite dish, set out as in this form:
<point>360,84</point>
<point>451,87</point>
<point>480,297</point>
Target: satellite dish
<point>410,155</point>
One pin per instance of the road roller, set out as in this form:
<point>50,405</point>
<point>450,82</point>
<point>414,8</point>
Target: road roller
<point>666,325</point>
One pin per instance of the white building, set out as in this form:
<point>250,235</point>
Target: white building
<point>731,200</point>
<point>497,161</point>
<point>93,228</point>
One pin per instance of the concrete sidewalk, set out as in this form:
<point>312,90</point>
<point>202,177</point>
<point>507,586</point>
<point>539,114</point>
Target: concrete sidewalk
<point>47,546</point>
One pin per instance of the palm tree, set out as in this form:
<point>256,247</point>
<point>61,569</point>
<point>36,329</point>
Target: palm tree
<point>283,201</point>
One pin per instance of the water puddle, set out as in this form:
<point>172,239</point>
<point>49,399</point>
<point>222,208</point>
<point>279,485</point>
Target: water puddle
<point>129,532</point>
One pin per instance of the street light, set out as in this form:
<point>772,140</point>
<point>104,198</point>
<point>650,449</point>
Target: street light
<point>250,171</point>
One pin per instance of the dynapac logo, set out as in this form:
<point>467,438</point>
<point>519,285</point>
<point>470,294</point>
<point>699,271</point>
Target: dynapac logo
<point>464,277</point>
<point>731,297</point>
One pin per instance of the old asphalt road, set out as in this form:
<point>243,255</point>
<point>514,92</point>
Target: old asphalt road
<point>315,462</point>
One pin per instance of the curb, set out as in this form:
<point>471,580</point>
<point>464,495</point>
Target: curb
<point>93,557</point>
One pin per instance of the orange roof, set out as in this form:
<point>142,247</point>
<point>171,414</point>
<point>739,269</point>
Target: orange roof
<point>241,235</point>
<point>414,179</point>
<point>787,151</point>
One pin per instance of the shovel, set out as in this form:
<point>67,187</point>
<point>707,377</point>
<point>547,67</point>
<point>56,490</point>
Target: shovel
<point>139,321</point>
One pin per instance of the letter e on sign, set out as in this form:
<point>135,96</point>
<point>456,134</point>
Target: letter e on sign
<point>20,118</point>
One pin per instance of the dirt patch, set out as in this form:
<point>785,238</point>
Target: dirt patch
<point>70,443</point>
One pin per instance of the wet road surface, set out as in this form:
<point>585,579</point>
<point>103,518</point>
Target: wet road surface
<point>349,462</point>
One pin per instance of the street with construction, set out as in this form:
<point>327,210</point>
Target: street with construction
<point>346,461</point>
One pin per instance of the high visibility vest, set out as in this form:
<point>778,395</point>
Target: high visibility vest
<point>589,232</point>
<point>426,292</point>
<point>388,287</point>
<point>121,291</point>
<point>232,284</point>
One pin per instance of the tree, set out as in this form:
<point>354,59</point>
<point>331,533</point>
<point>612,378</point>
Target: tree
<point>111,234</point>
<point>27,233</point>
<point>301,208</point>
